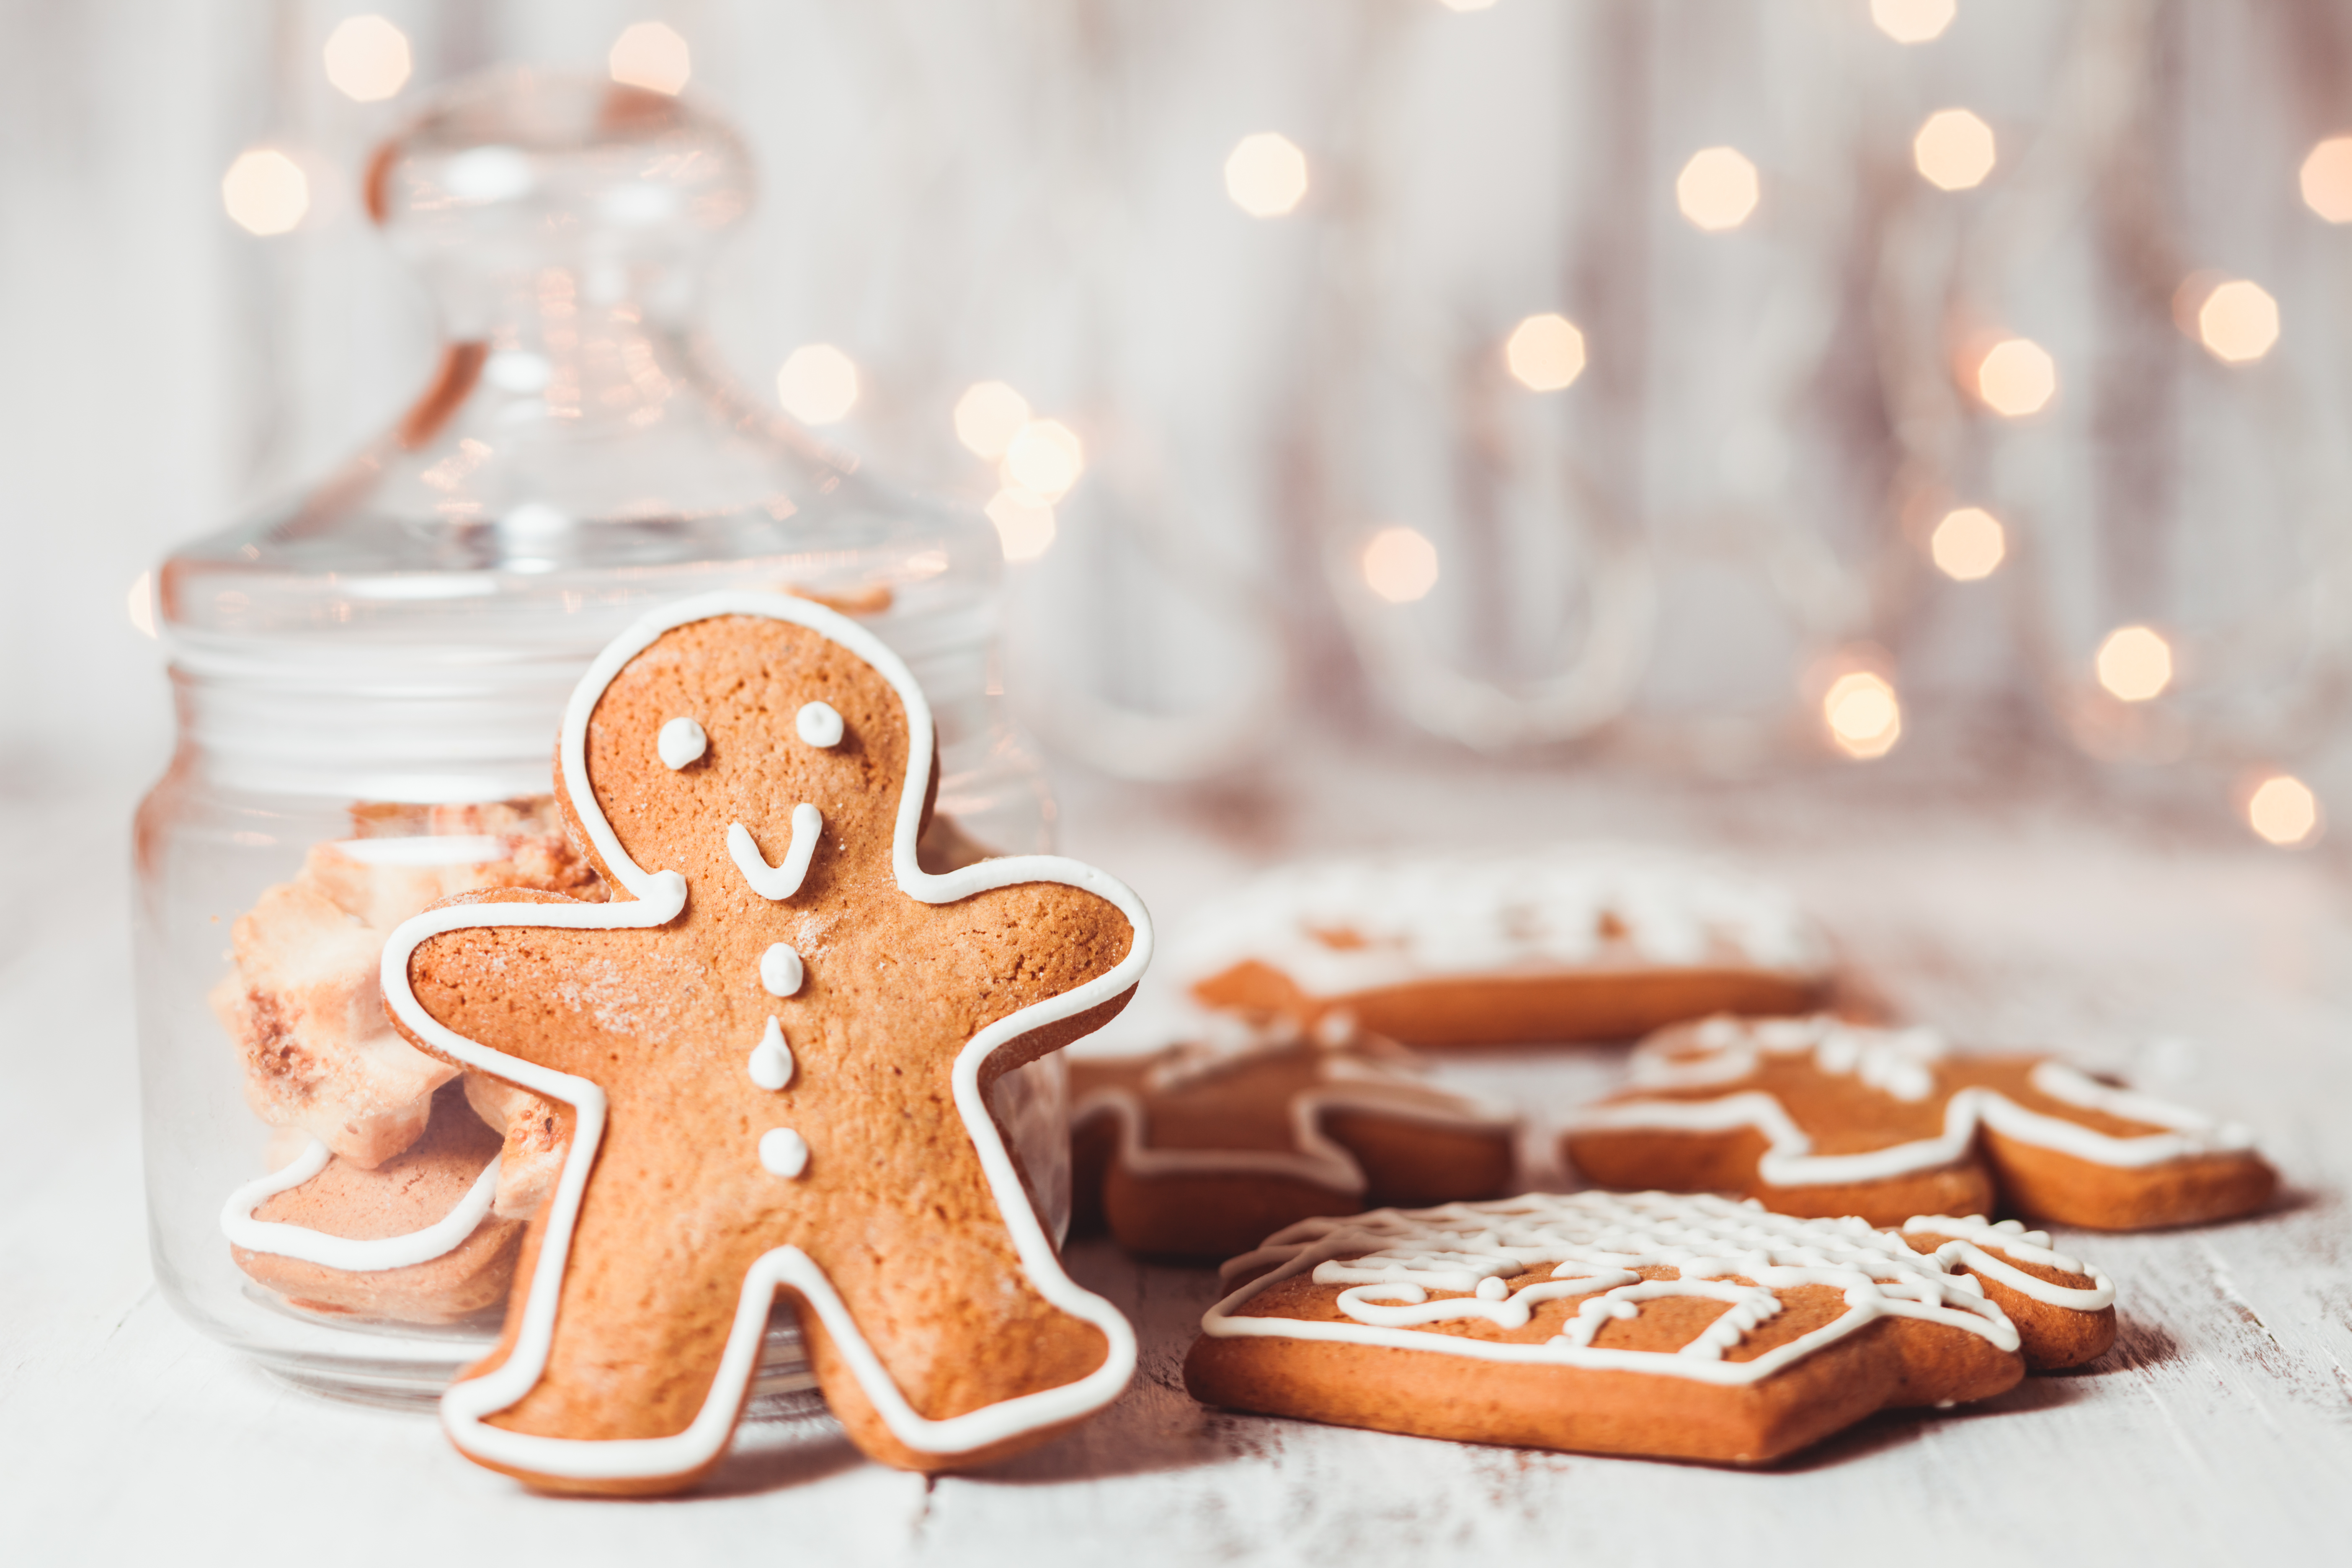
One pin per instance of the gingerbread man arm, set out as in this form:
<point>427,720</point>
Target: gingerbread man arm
<point>1006,958</point>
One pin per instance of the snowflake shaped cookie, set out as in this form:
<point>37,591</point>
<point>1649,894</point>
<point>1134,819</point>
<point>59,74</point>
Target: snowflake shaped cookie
<point>775,1047</point>
<point>1679,1326</point>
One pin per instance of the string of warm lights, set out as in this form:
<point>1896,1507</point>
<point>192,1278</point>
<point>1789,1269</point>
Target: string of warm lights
<point>2235,319</point>
<point>652,56</point>
<point>270,190</point>
<point>1718,189</point>
<point>1266,174</point>
<point>817,384</point>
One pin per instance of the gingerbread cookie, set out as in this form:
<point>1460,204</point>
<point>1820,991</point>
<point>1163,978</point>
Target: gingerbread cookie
<point>776,1045</point>
<point>530,1150</point>
<point>1675,1326</point>
<point>1817,1116</point>
<point>2064,1310</point>
<point>1574,942</point>
<point>302,1002</point>
<point>1199,1150</point>
<point>411,1239</point>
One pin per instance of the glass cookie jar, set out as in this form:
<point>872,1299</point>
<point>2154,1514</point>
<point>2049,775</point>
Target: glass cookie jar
<point>369,683</point>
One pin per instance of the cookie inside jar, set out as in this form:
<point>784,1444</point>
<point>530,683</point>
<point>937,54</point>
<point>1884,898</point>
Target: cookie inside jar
<point>396,1186</point>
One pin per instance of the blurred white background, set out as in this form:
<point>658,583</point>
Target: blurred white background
<point>1945,386</point>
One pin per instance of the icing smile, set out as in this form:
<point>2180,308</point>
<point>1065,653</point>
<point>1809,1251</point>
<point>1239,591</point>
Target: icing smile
<point>779,882</point>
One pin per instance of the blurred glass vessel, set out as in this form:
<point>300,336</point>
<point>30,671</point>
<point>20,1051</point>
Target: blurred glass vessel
<point>369,682</point>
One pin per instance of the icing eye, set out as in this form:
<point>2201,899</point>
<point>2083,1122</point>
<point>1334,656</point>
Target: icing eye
<point>819,725</point>
<point>680,741</point>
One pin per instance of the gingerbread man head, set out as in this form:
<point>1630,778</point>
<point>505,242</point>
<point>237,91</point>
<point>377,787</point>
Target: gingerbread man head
<point>776,1043</point>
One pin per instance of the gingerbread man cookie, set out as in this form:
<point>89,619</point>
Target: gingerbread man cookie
<point>1572,943</point>
<point>1818,1116</point>
<point>1199,1150</point>
<point>1675,1326</point>
<point>775,1046</point>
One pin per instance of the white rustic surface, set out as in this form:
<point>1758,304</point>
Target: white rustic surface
<point>2220,1429</point>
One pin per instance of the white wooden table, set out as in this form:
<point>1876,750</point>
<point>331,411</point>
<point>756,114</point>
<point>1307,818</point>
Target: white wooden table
<point>2220,1429</point>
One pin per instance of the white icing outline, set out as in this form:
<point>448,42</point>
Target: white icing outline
<point>777,882</point>
<point>1973,1235</point>
<point>1461,1246</point>
<point>657,898</point>
<point>348,1253</point>
<point>1724,1049</point>
<point>1316,1157</point>
<point>1789,1160</point>
<point>2072,1085</point>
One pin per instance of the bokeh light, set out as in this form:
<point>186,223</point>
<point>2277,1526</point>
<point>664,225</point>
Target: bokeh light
<point>1913,21</point>
<point>2135,663</point>
<point>1044,458</point>
<point>2237,322</point>
<point>1266,174</point>
<point>2017,377</point>
<point>2326,179</point>
<point>1024,522</point>
<point>651,55</point>
<point>1400,565</point>
<point>987,416</point>
<point>1954,150</point>
<point>1968,544</point>
<point>2282,810</point>
<point>367,58</point>
<point>265,190</point>
<point>1545,352</point>
<point>817,384</point>
<point>1863,718</point>
<point>1718,189</point>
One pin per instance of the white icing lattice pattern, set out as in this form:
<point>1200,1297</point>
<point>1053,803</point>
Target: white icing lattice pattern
<point>1591,1245</point>
<point>1405,918</point>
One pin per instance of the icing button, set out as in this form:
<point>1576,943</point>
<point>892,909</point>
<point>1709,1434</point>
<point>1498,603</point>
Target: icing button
<point>780,970</point>
<point>783,1151</point>
<point>680,741</point>
<point>819,724</point>
<point>771,1060</point>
